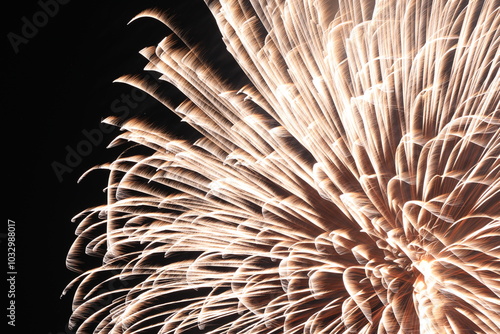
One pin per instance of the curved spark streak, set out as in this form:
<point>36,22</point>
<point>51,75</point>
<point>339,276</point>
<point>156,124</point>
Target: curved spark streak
<point>350,186</point>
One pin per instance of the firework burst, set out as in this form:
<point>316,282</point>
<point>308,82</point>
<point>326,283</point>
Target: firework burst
<point>350,186</point>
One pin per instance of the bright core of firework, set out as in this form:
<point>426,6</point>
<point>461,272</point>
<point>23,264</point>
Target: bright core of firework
<point>350,186</point>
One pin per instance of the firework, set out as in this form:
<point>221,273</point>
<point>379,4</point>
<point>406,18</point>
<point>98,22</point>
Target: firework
<point>350,185</point>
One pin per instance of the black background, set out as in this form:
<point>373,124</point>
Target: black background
<point>58,85</point>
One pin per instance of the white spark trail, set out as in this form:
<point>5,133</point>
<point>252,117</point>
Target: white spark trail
<point>351,185</point>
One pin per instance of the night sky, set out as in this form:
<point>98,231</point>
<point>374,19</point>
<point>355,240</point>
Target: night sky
<point>60,59</point>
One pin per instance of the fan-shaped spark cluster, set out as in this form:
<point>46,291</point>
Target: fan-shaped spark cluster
<point>352,186</point>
